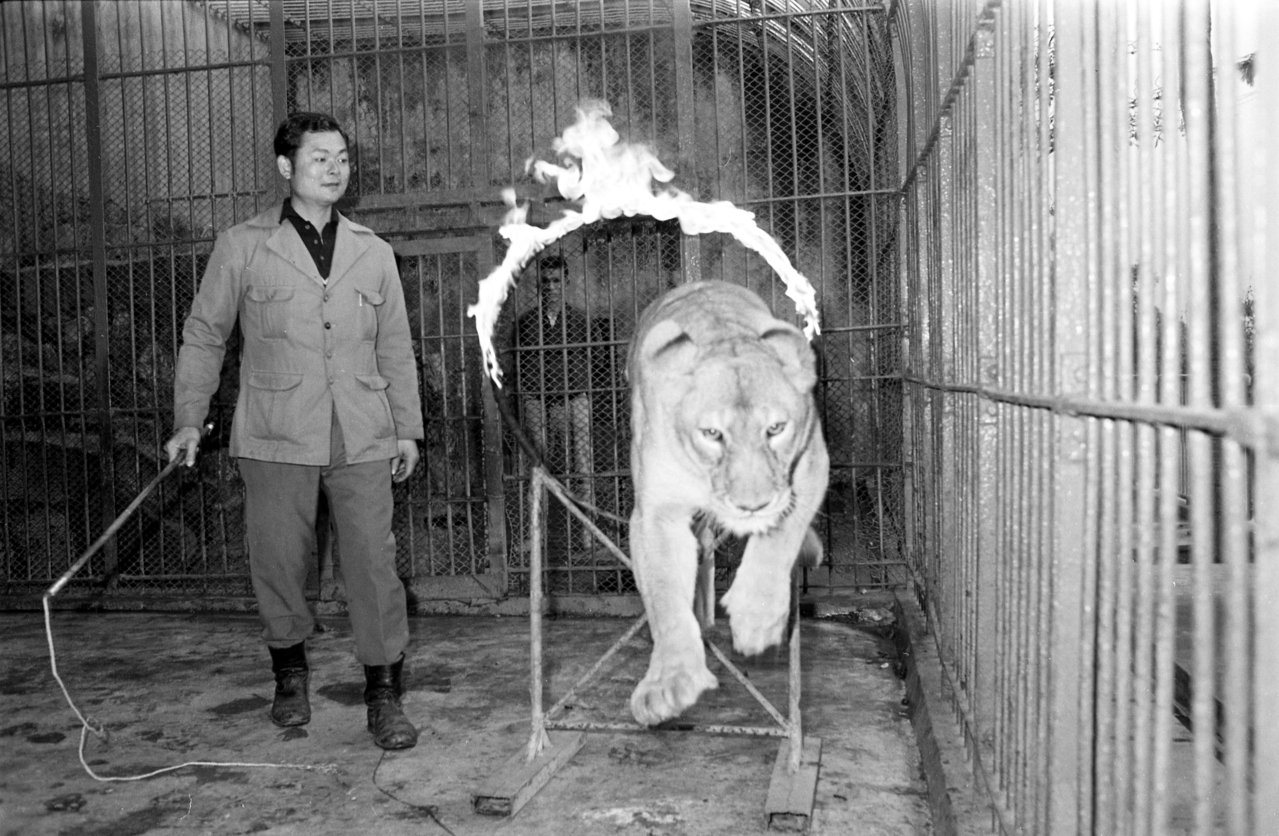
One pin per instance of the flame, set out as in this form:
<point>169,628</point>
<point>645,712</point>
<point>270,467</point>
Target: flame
<point>607,178</point>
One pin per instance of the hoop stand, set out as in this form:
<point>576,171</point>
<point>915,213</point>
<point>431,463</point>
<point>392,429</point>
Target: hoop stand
<point>554,741</point>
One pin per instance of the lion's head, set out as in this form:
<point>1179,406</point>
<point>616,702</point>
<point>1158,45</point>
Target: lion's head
<point>737,390</point>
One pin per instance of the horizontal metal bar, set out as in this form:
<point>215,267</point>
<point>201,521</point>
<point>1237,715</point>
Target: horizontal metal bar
<point>1250,426</point>
<point>791,197</point>
<point>442,197</point>
<point>854,329</point>
<point>860,378</point>
<point>41,82</point>
<point>208,196</point>
<point>746,731</point>
<point>79,78</point>
<point>874,8</point>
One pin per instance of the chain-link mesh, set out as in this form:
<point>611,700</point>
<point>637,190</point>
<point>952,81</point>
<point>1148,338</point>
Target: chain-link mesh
<point>441,525</point>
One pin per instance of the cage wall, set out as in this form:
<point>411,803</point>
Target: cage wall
<point>123,163</point>
<point>1087,469</point>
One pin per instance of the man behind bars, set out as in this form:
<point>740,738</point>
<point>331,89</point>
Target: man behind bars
<point>328,402</point>
<point>553,376</point>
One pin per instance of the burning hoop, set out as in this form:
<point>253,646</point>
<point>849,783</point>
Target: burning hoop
<point>608,178</point>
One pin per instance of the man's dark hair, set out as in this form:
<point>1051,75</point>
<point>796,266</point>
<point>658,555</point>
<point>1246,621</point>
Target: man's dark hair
<point>288,138</point>
<point>552,262</point>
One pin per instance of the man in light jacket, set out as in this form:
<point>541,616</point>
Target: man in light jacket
<point>328,401</point>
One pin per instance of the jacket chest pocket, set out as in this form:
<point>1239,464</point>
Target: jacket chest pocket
<point>367,304</point>
<point>266,311</point>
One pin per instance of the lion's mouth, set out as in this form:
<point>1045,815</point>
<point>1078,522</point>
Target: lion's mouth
<point>744,521</point>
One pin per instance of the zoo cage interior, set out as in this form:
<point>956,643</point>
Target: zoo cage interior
<point>1036,231</point>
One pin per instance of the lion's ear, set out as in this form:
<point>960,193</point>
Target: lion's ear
<point>667,348</point>
<point>792,348</point>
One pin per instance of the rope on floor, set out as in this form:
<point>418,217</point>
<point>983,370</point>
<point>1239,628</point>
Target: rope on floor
<point>87,725</point>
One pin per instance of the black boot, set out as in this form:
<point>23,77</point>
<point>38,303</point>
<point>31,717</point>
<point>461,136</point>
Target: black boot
<point>382,692</point>
<point>291,707</point>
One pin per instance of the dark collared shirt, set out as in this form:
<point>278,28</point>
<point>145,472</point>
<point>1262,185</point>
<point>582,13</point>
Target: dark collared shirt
<point>318,244</point>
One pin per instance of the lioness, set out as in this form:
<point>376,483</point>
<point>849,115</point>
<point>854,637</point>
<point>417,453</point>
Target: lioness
<point>725,432</point>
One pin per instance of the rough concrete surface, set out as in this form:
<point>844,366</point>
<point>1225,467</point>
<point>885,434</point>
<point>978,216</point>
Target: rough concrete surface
<point>175,688</point>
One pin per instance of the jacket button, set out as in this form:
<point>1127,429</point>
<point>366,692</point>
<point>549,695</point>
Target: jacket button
<point>328,325</point>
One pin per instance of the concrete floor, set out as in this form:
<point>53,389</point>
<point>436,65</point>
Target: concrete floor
<point>173,688</point>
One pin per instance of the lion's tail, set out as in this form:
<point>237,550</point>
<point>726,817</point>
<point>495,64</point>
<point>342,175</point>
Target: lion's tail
<point>811,550</point>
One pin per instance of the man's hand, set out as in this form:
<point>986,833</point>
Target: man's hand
<point>185,442</point>
<point>405,461</point>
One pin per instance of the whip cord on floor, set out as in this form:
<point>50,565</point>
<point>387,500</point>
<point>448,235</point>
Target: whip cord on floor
<point>87,724</point>
<point>429,811</point>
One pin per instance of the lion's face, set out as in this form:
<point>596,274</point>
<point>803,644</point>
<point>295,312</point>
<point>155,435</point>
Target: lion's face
<point>745,422</point>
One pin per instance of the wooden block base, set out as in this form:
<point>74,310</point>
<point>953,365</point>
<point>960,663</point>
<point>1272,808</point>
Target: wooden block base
<point>518,781</point>
<point>789,807</point>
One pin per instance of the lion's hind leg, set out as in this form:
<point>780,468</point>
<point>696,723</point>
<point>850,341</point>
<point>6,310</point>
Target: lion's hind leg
<point>665,559</point>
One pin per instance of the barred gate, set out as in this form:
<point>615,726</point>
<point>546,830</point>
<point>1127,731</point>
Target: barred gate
<point>1089,317</point>
<point>122,163</point>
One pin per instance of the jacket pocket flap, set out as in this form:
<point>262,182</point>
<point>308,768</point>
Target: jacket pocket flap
<point>270,294</point>
<point>371,296</point>
<point>373,381</point>
<point>277,381</point>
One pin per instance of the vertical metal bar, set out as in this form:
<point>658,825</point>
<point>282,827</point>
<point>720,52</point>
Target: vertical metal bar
<point>1139,21</point>
<point>1075,572</point>
<point>998,367</point>
<point>537,496</point>
<point>1172,198</point>
<point>1197,117</point>
<point>1234,494</point>
<point>98,246</point>
<point>686,119</point>
<point>876,314</point>
<point>1123,209</point>
<point>279,82</point>
<point>378,93</point>
<point>233,113</point>
<point>1264,239</point>
<point>989,580</point>
<point>477,85</point>
<point>1106,367</point>
<point>400,85</point>
<point>794,681</point>
<point>60,406</point>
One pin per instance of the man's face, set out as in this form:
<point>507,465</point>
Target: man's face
<point>320,169</point>
<point>552,279</point>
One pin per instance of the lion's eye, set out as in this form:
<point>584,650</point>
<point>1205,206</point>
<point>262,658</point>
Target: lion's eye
<point>712,433</point>
<point>775,429</point>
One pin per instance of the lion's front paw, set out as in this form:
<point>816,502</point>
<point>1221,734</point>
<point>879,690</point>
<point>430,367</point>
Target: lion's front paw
<point>664,694</point>
<point>758,620</point>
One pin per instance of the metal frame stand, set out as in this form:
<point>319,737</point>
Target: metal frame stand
<point>554,741</point>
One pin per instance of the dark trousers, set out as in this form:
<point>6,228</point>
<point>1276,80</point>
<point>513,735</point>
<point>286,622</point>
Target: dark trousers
<point>280,516</point>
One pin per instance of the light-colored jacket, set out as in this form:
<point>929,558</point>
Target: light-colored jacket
<point>308,349</point>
